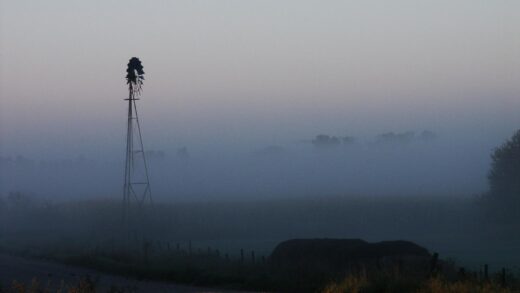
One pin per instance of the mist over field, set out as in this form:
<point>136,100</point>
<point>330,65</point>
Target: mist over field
<point>413,164</point>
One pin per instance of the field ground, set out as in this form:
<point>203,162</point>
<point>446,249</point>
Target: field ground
<point>201,242</point>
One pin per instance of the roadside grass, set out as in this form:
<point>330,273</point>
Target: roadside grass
<point>438,284</point>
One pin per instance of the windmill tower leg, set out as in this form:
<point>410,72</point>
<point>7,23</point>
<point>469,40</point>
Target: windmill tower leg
<point>128,161</point>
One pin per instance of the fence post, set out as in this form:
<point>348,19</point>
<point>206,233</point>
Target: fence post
<point>146,250</point>
<point>462,273</point>
<point>503,277</point>
<point>433,265</point>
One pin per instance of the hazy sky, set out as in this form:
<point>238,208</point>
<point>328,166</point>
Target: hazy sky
<point>255,72</point>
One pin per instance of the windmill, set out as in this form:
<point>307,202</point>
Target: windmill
<point>137,182</point>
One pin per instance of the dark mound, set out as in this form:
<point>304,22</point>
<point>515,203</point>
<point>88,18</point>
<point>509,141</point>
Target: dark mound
<point>343,253</point>
<point>298,250</point>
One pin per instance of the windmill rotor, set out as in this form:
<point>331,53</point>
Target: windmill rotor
<point>134,75</point>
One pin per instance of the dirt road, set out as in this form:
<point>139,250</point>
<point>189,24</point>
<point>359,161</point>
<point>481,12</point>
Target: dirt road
<point>51,275</point>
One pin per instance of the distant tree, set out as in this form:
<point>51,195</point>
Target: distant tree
<point>504,176</point>
<point>323,140</point>
<point>348,139</point>
<point>427,135</point>
<point>183,153</point>
<point>3,205</point>
<point>18,200</point>
<point>400,137</point>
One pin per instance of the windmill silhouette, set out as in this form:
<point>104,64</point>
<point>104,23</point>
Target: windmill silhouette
<point>137,182</point>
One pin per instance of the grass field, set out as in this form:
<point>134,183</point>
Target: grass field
<point>203,243</point>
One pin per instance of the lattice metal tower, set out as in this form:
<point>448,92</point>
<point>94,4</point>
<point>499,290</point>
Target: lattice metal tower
<point>137,182</point>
